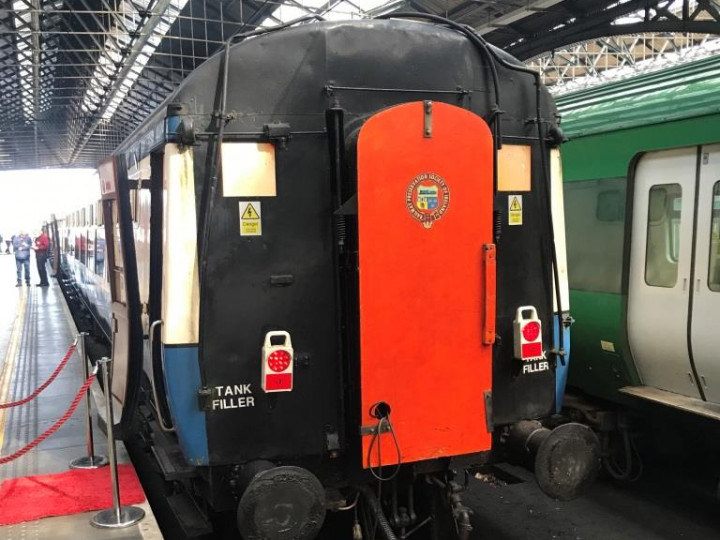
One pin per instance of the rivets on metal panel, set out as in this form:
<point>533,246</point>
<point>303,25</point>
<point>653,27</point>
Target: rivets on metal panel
<point>427,123</point>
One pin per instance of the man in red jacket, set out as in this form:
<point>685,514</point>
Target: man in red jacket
<point>42,244</point>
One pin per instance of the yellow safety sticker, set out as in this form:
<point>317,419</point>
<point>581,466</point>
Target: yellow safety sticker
<point>515,211</point>
<point>250,218</point>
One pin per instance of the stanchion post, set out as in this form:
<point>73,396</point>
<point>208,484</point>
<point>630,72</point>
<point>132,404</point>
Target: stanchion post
<point>91,461</point>
<point>118,516</point>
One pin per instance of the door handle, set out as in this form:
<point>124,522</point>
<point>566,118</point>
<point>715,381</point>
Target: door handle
<point>697,286</point>
<point>685,284</point>
<point>489,288</point>
<point>151,339</point>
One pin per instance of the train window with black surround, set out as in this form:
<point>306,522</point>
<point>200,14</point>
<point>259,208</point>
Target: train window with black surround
<point>663,235</point>
<point>595,224</point>
<point>90,262</point>
<point>714,269</point>
<point>100,252</point>
<point>84,246</point>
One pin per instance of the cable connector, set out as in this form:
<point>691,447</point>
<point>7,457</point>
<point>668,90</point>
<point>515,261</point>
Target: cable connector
<point>381,411</point>
<point>357,530</point>
<point>561,354</point>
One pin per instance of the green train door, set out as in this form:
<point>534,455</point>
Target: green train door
<point>674,286</point>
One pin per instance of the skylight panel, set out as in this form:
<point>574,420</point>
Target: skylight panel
<point>369,5</point>
<point>25,58</point>
<point>341,11</point>
<point>639,16</point>
<point>288,12</point>
<point>118,41</point>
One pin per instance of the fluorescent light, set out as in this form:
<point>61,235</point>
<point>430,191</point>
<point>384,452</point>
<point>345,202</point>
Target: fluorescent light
<point>25,57</point>
<point>116,42</point>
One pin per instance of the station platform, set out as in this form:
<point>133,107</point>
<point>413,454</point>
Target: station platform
<point>36,330</point>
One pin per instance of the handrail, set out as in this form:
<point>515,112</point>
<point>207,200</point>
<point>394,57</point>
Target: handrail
<point>156,405</point>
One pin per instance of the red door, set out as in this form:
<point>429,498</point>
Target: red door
<point>427,278</point>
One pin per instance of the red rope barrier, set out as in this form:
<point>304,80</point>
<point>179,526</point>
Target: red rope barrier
<point>44,385</point>
<point>52,429</point>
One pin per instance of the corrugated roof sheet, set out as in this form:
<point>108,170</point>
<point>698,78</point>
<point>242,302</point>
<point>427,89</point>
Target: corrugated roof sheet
<point>685,91</point>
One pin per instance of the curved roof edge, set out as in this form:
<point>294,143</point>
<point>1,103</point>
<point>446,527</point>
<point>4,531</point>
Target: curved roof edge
<point>682,92</point>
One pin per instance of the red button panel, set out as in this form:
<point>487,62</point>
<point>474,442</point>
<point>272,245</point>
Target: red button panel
<point>280,381</point>
<point>279,361</point>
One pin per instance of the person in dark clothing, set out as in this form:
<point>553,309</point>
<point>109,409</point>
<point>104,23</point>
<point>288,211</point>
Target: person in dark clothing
<point>22,244</point>
<point>42,244</point>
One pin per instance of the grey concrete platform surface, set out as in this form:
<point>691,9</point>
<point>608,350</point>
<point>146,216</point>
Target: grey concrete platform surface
<point>35,332</point>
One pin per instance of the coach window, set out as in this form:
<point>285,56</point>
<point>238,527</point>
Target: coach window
<point>90,263</point>
<point>117,252</point>
<point>663,235</point>
<point>83,236</point>
<point>714,272</point>
<point>595,228</point>
<point>76,232</point>
<point>134,204</point>
<point>99,240</point>
<point>100,252</point>
<point>248,169</point>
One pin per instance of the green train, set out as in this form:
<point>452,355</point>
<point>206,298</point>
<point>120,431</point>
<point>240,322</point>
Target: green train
<point>641,174</point>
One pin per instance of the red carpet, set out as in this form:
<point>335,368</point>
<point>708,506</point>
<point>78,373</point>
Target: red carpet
<point>72,492</point>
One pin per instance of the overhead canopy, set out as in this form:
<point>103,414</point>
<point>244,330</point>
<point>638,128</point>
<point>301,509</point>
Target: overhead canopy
<point>76,76</point>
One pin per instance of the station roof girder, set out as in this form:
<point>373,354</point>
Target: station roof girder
<point>77,76</point>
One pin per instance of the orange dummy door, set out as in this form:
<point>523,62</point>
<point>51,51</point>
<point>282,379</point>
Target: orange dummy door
<point>427,280</point>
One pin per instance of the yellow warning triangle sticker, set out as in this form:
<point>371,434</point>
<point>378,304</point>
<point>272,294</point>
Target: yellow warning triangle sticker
<point>250,213</point>
<point>515,205</point>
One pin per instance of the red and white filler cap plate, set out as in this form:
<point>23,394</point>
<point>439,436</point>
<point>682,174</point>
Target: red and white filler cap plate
<point>527,334</point>
<point>277,362</point>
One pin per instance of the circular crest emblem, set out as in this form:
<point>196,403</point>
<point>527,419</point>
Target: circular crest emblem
<point>427,198</point>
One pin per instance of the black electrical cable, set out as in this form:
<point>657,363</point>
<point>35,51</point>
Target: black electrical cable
<point>381,520</point>
<point>484,49</point>
<point>220,113</point>
<point>623,473</point>
<point>383,418</point>
<point>480,43</point>
<point>381,411</point>
<point>560,351</point>
<point>215,169</point>
<point>367,522</point>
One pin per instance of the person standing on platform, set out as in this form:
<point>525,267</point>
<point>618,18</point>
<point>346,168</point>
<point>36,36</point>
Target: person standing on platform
<point>22,245</point>
<point>42,244</point>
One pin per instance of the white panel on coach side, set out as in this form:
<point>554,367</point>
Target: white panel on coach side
<point>180,298</point>
<point>558,214</point>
